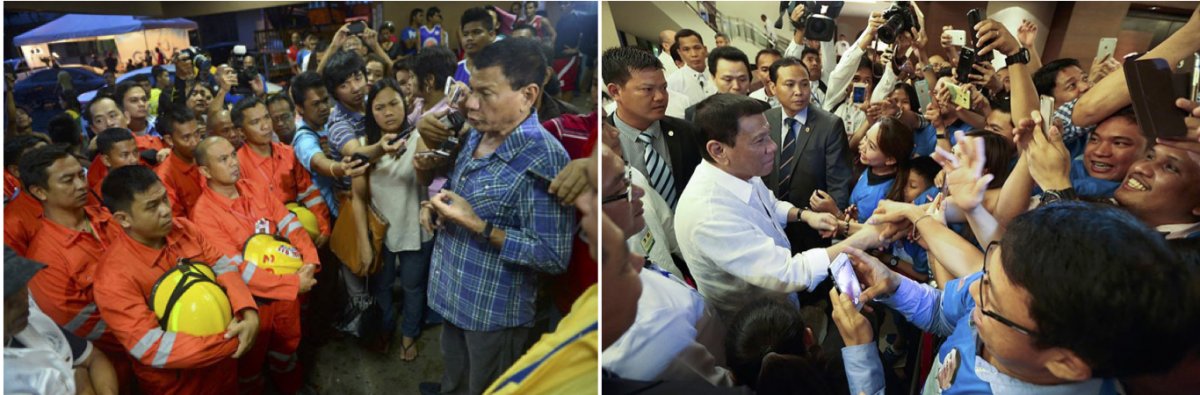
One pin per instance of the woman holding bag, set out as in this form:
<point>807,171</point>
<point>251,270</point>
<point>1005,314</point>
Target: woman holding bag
<point>406,248</point>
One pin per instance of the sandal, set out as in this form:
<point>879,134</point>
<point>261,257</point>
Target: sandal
<point>404,349</point>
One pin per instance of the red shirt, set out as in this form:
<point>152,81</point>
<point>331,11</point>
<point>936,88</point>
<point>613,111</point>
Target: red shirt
<point>11,186</point>
<point>63,290</point>
<point>184,184</point>
<point>228,223</point>
<point>95,178</point>
<point>577,134</point>
<point>22,218</point>
<point>285,178</point>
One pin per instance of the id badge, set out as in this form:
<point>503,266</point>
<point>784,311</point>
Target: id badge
<point>648,242</point>
<point>262,226</point>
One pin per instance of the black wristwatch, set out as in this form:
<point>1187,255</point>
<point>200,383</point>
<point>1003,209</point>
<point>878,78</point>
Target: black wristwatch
<point>487,231</point>
<point>1021,57</point>
<point>1059,195</point>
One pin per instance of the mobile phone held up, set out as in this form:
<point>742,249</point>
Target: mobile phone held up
<point>357,27</point>
<point>845,279</point>
<point>974,16</point>
<point>966,61</point>
<point>1153,92</point>
<point>859,94</point>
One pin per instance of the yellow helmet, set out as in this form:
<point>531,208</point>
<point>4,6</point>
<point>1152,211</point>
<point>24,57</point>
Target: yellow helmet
<point>273,253</point>
<point>307,219</point>
<point>188,300</point>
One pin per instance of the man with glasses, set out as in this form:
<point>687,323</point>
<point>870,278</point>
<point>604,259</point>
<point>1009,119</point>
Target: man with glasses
<point>283,117</point>
<point>478,31</point>
<point>1074,294</point>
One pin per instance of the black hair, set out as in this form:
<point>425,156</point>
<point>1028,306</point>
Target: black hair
<point>1001,103</point>
<point>478,14</point>
<point>341,66</point>
<point>413,14</point>
<point>926,167</point>
<point>156,70</point>
<point>688,33</point>
<point>767,51</point>
<point>402,64</point>
<point>913,101</point>
<point>63,129</point>
<point>172,117</point>
<point>16,145</point>
<point>106,139</point>
<point>122,184</point>
<point>999,152</point>
<point>719,34</point>
<point>140,78</point>
<point>866,63</point>
<point>33,164</point>
<point>372,57</point>
<point>279,97</point>
<point>674,50</point>
<point>523,26</point>
<point>436,62</point>
<point>123,89</point>
<point>787,61</point>
<point>809,51</point>
<point>87,112</point>
<point>729,53</point>
<point>1044,78</point>
<point>1102,285</point>
<point>520,59</point>
<point>619,63</point>
<point>303,83</point>
<point>718,115</point>
<point>238,113</point>
<point>432,11</point>
<point>896,140</point>
<point>770,326</point>
<point>372,129</point>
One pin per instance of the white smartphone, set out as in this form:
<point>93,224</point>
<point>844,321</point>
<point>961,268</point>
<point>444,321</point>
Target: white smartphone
<point>1047,110</point>
<point>959,96</point>
<point>1106,48</point>
<point>846,280</point>
<point>958,37</point>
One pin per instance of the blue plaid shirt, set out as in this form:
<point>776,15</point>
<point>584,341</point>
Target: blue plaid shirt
<point>471,283</point>
<point>1075,137</point>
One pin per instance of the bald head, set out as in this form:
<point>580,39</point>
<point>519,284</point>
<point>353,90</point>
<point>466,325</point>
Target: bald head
<point>666,38</point>
<point>205,146</point>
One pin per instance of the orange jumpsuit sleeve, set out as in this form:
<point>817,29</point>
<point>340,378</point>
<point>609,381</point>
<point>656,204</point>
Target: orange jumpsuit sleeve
<point>289,226</point>
<point>124,309</point>
<point>310,196</point>
<point>225,265</point>
<point>261,283</point>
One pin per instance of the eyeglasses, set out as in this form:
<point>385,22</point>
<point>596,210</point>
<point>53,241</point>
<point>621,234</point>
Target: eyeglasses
<point>983,291</point>
<point>627,195</point>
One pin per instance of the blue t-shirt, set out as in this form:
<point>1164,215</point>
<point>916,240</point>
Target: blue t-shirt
<point>431,38</point>
<point>867,193</point>
<point>1087,186</point>
<point>407,34</point>
<point>461,74</point>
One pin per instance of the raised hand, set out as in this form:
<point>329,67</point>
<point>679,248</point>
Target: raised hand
<point>964,176</point>
<point>853,326</point>
<point>1027,33</point>
<point>1049,160</point>
<point>996,37</point>
<point>878,279</point>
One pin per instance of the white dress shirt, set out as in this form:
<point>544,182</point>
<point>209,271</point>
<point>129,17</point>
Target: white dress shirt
<point>668,63</point>
<point>674,337</point>
<point>656,241</point>
<point>677,104</point>
<point>731,234</point>
<point>687,82</point>
<point>761,94</point>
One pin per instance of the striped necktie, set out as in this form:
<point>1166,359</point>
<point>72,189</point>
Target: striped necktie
<point>658,171</point>
<point>787,160</point>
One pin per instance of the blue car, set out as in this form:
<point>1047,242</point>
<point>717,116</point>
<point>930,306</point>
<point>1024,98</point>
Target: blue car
<point>41,87</point>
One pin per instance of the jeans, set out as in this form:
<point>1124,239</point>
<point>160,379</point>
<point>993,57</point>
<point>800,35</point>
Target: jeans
<point>413,269</point>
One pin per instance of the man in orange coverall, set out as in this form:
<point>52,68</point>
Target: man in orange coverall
<point>22,213</point>
<point>178,172</point>
<point>70,243</point>
<point>274,165</point>
<point>230,210</point>
<point>115,148</point>
<point>154,243</point>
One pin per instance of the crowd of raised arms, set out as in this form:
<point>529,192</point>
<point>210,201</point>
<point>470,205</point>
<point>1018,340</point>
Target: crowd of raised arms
<point>872,217</point>
<point>202,230</point>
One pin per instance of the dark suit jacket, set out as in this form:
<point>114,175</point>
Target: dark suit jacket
<point>821,163</point>
<point>684,142</point>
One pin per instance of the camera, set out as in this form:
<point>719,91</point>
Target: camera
<point>900,18</point>
<point>454,121</point>
<point>817,24</point>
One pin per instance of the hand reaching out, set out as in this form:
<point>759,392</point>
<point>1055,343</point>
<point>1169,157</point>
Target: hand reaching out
<point>964,177</point>
<point>1049,160</point>
<point>1027,33</point>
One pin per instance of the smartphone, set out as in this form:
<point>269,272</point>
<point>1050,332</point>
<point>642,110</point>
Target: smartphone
<point>1047,109</point>
<point>357,27</point>
<point>959,96</point>
<point>454,92</point>
<point>966,59</point>
<point>363,159</point>
<point>922,87</point>
<point>845,279</point>
<point>1152,91</point>
<point>957,37</point>
<point>538,175</point>
<point>1107,46</point>
<point>859,94</point>
<point>974,16</point>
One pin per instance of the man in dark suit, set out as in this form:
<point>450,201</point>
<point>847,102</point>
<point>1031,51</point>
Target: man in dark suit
<point>663,148</point>
<point>812,150</point>
<point>730,68</point>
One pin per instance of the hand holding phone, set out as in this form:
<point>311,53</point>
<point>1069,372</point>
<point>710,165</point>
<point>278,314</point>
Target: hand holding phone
<point>859,93</point>
<point>958,38</point>
<point>357,27</point>
<point>1106,48</point>
<point>846,280</point>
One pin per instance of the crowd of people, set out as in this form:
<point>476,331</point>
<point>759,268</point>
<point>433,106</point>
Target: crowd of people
<point>883,219</point>
<point>191,233</point>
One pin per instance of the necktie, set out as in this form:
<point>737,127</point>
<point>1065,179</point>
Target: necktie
<point>658,171</point>
<point>787,160</point>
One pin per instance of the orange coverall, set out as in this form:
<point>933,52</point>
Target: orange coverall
<point>286,179</point>
<point>183,182</point>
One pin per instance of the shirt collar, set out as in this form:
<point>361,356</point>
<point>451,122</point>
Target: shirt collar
<point>1179,231</point>
<point>515,142</point>
<point>739,188</point>
<point>1005,384</point>
<point>177,164</point>
<point>801,116</point>
<point>343,111</point>
<point>654,128</point>
<point>97,217</point>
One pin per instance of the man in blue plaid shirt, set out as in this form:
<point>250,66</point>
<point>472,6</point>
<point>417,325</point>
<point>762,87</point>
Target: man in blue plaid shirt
<point>501,229</point>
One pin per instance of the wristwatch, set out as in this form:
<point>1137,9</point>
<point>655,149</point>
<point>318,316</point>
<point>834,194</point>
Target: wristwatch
<point>893,261</point>
<point>1059,195</point>
<point>1021,57</point>
<point>487,231</point>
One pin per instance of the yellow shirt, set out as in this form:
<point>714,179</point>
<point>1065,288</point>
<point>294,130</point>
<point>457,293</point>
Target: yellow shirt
<point>153,105</point>
<point>563,361</point>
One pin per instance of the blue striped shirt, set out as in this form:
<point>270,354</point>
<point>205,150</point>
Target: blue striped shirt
<point>476,286</point>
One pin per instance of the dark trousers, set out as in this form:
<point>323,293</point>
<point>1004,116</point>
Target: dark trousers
<point>473,360</point>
